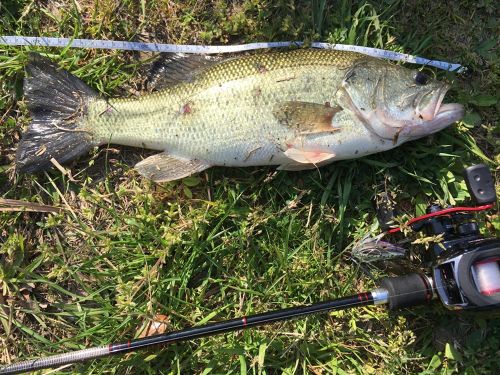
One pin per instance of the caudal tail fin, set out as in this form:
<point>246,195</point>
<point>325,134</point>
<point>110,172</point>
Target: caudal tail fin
<point>58,103</point>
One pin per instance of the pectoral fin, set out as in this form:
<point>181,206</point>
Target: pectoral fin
<point>305,117</point>
<point>163,167</point>
<point>308,156</point>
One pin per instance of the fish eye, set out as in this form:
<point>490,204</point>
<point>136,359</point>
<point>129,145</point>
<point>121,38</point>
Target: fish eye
<point>421,78</point>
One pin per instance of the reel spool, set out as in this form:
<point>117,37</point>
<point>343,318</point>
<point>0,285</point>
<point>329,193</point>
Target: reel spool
<point>470,280</point>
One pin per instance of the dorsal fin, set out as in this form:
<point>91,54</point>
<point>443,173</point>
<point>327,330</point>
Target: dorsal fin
<point>173,68</point>
<point>305,117</point>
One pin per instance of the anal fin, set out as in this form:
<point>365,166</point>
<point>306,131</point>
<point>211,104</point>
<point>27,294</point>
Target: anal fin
<point>164,167</point>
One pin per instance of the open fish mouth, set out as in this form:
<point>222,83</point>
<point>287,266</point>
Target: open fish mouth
<point>433,114</point>
<point>427,112</point>
<point>446,114</point>
<point>443,116</point>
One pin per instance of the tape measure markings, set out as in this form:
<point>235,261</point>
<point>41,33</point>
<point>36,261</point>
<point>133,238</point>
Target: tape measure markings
<point>15,40</point>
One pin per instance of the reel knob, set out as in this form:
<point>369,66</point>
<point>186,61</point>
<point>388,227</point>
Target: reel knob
<point>480,184</point>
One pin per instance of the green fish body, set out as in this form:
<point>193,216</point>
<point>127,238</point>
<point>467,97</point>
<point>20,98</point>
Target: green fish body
<point>297,109</point>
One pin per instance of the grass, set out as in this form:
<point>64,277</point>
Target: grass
<point>235,242</point>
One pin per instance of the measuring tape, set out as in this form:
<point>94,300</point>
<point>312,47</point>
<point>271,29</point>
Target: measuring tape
<point>180,48</point>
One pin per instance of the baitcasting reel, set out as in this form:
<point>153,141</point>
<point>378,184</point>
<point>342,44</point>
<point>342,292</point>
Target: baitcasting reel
<point>465,266</point>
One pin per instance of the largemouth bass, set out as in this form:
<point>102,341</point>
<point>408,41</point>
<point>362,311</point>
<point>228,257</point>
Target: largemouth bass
<point>297,109</point>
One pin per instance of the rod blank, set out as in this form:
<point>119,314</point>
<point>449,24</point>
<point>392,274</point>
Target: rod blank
<point>361,299</point>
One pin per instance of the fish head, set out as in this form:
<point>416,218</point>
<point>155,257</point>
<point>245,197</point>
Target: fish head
<point>396,103</point>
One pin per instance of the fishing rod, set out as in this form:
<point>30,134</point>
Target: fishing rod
<point>398,292</point>
<point>464,275</point>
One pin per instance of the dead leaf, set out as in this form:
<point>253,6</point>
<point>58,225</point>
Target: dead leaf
<point>316,370</point>
<point>157,326</point>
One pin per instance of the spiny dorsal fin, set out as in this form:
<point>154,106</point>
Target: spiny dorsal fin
<point>307,118</point>
<point>163,167</point>
<point>173,68</point>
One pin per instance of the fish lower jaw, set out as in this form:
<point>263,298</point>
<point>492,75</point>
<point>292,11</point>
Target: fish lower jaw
<point>445,116</point>
<point>451,111</point>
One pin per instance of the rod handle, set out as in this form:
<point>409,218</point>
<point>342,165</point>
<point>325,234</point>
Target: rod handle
<point>409,290</point>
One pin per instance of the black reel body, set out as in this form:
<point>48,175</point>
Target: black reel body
<point>465,266</point>
<point>458,230</point>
